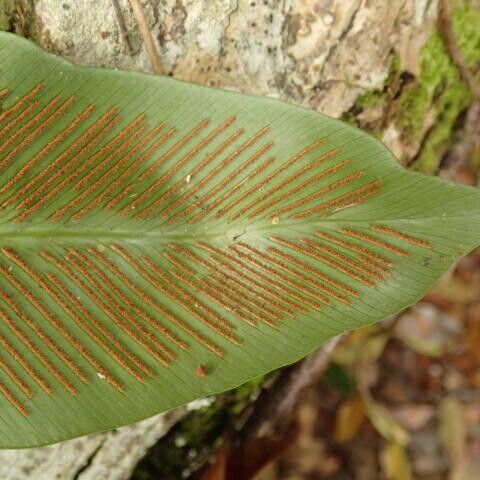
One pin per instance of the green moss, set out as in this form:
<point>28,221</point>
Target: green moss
<point>466,25</point>
<point>371,99</point>
<point>440,94</point>
<point>17,16</point>
<point>376,98</point>
<point>7,8</point>
<point>425,109</point>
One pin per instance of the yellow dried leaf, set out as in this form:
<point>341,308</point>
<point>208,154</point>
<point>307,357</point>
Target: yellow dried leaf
<point>395,462</point>
<point>384,422</point>
<point>452,431</point>
<point>350,417</point>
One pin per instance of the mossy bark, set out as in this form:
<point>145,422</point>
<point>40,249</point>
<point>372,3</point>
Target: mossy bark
<point>383,66</point>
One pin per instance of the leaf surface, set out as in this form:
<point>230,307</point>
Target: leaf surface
<point>161,241</point>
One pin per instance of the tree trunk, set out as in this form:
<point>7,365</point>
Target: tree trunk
<point>386,66</point>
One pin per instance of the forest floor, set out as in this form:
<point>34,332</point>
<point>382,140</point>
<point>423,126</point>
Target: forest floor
<point>401,400</point>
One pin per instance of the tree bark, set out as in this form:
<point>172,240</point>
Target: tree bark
<point>111,456</point>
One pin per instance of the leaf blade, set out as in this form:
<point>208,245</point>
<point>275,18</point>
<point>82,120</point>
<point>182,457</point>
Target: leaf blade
<point>153,229</point>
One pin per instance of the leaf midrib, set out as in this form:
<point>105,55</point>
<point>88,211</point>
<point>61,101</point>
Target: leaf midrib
<point>169,234</point>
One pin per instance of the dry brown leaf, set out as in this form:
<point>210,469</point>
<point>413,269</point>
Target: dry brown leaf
<point>218,470</point>
<point>413,416</point>
<point>246,460</point>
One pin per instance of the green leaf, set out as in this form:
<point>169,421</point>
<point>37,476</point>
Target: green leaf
<point>162,241</point>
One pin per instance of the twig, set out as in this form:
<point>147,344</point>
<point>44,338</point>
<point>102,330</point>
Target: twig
<point>446,26</point>
<point>122,26</point>
<point>147,36</point>
<point>280,399</point>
